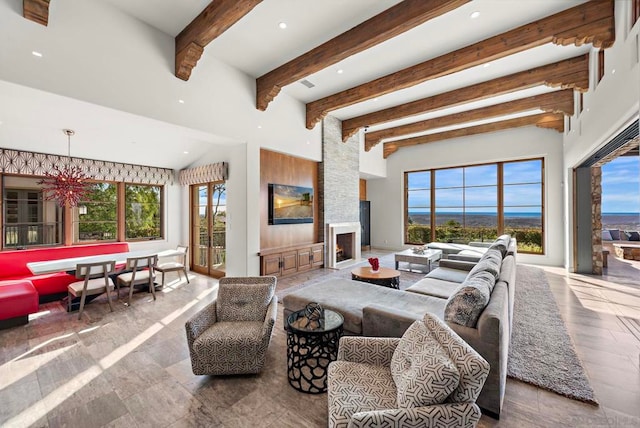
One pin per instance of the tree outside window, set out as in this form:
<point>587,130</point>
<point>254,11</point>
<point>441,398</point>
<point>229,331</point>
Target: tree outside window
<point>97,214</point>
<point>143,206</point>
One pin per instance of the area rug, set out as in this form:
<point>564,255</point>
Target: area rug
<point>541,351</point>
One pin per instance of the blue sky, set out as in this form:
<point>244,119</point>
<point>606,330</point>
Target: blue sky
<point>621,185</point>
<point>522,190</point>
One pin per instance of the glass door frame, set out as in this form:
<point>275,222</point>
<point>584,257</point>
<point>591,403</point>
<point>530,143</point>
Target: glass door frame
<point>194,233</point>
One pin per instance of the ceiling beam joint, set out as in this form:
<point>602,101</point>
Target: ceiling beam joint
<point>214,20</point>
<point>36,11</point>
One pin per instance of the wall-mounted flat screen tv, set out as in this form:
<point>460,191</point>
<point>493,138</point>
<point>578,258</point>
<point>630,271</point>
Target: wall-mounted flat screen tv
<point>290,204</point>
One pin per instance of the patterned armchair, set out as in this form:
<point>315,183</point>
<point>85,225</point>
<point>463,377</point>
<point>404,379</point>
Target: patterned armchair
<point>231,335</point>
<point>429,377</point>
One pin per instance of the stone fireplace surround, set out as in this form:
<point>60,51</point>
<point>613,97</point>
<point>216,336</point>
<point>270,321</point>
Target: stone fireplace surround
<point>335,229</point>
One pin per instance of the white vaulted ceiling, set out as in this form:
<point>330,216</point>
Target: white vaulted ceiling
<point>256,45</point>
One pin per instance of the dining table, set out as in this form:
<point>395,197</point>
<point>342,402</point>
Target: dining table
<point>69,264</point>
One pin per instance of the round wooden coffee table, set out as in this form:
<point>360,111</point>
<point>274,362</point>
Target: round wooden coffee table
<point>384,276</point>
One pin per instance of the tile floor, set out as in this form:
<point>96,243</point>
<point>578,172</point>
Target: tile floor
<point>131,367</point>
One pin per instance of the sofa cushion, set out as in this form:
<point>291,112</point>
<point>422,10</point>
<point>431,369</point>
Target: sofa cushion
<point>349,298</point>
<point>606,235</point>
<point>243,302</point>
<point>490,262</point>
<point>421,369</point>
<point>434,287</point>
<point>501,244</point>
<point>448,274</point>
<point>467,303</point>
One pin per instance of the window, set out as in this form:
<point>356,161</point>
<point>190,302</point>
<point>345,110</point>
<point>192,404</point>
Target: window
<point>418,218</point>
<point>143,211</point>
<point>96,218</point>
<point>29,219</point>
<point>476,203</point>
<point>523,203</point>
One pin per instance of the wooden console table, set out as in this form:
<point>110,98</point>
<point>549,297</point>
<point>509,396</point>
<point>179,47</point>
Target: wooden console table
<point>290,260</point>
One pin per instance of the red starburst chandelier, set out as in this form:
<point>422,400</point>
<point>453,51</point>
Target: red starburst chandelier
<point>66,184</point>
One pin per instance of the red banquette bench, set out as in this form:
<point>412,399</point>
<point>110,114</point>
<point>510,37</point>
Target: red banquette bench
<point>21,290</point>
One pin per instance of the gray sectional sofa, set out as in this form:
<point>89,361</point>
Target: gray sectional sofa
<point>474,299</point>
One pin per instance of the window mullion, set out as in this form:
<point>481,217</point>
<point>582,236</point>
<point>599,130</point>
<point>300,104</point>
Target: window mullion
<point>500,212</point>
<point>120,203</point>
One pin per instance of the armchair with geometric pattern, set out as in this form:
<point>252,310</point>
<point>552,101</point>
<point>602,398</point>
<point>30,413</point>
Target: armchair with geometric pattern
<point>429,378</point>
<point>231,335</point>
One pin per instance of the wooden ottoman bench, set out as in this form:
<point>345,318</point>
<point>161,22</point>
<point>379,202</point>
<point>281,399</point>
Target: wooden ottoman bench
<point>18,299</point>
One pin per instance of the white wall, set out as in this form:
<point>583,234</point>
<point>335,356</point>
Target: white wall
<point>119,62</point>
<point>96,53</point>
<point>372,164</point>
<point>609,106</point>
<point>387,195</point>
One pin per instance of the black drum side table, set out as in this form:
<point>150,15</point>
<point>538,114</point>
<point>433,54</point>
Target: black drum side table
<point>309,351</point>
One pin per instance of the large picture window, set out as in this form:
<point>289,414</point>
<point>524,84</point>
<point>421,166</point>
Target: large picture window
<point>96,218</point>
<point>476,203</point>
<point>28,219</point>
<point>143,208</point>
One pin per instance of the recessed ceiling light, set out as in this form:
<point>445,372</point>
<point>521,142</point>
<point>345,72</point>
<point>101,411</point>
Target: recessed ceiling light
<point>36,53</point>
<point>340,71</point>
<point>375,99</point>
<point>259,126</point>
<point>486,64</point>
<point>588,109</point>
<point>282,25</point>
<point>181,101</point>
<point>475,14</point>
<point>185,152</point>
<point>613,71</point>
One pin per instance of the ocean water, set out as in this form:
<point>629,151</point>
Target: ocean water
<point>622,221</point>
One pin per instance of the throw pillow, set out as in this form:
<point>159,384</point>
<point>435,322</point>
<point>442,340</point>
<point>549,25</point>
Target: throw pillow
<point>472,367</point>
<point>606,235</point>
<point>501,244</point>
<point>421,369</point>
<point>491,261</point>
<point>243,302</point>
<point>466,304</point>
<point>633,236</point>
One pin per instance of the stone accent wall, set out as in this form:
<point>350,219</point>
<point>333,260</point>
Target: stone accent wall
<point>596,219</point>
<point>338,177</point>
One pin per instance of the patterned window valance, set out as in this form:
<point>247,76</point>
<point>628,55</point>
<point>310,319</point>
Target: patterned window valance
<point>29,163</point>
<point>204,174</point>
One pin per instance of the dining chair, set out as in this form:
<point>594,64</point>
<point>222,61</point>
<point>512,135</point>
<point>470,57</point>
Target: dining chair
<point>94,280</point>
<point>179,264</point>
<point>139,271</point>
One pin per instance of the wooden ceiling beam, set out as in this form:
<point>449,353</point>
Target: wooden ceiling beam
<point>382,27</point>
<point>555,102</point>
<point>214,20</point>
<point>569,73</point>
<point>36,11</point>
<point>591,22</point>
<point>543,120</point>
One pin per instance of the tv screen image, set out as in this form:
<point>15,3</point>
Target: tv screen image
<point>290,204</point>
